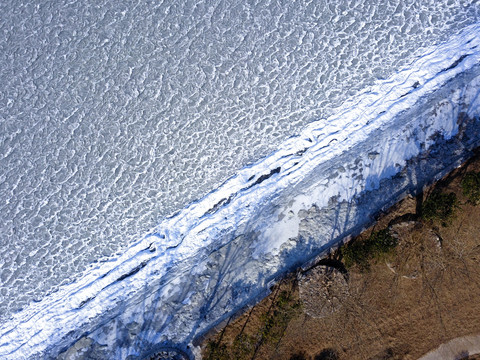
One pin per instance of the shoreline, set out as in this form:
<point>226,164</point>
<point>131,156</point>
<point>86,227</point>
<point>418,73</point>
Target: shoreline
<point>395,214</point>
<point>201,265</point>
<point>398,213</point>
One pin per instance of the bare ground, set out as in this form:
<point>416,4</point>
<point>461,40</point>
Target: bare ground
<point>425,293</point>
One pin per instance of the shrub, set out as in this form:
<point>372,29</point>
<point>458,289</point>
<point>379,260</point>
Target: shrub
<point>298,356</point>
<point>272,327</point>
<point>439,206</point>
<point>471,187</point>
<point>360,252</point>
<point>243,347</point>
<point>327,354</point>
<point>275,323</point>
<point>216,351</point>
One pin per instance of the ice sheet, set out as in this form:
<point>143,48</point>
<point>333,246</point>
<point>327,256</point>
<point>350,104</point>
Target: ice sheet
<point>114,114</point>
<point>154,285</point>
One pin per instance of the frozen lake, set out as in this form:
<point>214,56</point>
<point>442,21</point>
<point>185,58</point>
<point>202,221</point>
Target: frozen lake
<point>113,116</point>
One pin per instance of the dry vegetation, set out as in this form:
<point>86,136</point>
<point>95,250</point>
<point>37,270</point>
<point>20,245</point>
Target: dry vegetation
<point>412,285</point>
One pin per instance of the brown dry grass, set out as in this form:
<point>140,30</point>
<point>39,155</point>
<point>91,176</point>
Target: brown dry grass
<point>387,314</point>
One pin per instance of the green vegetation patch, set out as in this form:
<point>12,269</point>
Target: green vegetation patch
<point>440,206</point>
<point>270,331</point>
<point>277,320</point>
<point>361,252</point>
<point>471,187</point>
<point>243,347</point>
<point>217,351</point>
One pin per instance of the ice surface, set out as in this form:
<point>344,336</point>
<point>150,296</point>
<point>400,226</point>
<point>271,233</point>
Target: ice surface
<point>115,114</point>
<point>217,253</point>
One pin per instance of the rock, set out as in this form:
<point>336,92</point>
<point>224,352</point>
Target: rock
<point>168,354</point>
<point>322,291</point>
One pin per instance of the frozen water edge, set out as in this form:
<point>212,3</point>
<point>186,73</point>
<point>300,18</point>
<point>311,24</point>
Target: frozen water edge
<point>219,253</point>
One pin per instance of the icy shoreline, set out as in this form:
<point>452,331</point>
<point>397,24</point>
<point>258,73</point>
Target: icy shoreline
<point>219,253</point>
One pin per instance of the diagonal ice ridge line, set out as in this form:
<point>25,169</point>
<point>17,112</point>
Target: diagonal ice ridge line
<point>45,323</point>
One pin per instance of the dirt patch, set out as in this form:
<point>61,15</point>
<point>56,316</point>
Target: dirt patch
<point>408,302</point>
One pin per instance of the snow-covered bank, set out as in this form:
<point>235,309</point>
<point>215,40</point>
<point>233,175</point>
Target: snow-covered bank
<point>216,255</point>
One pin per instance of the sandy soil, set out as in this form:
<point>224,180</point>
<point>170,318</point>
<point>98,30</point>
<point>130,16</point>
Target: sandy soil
<point>408,303</point>
<point>463,346</point>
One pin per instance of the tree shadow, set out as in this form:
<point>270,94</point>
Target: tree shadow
<point>208,288</point>
<point>327,354</point>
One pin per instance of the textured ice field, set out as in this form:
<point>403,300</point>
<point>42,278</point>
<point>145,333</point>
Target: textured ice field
<point>221,252</point>
<point>115,114</point>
